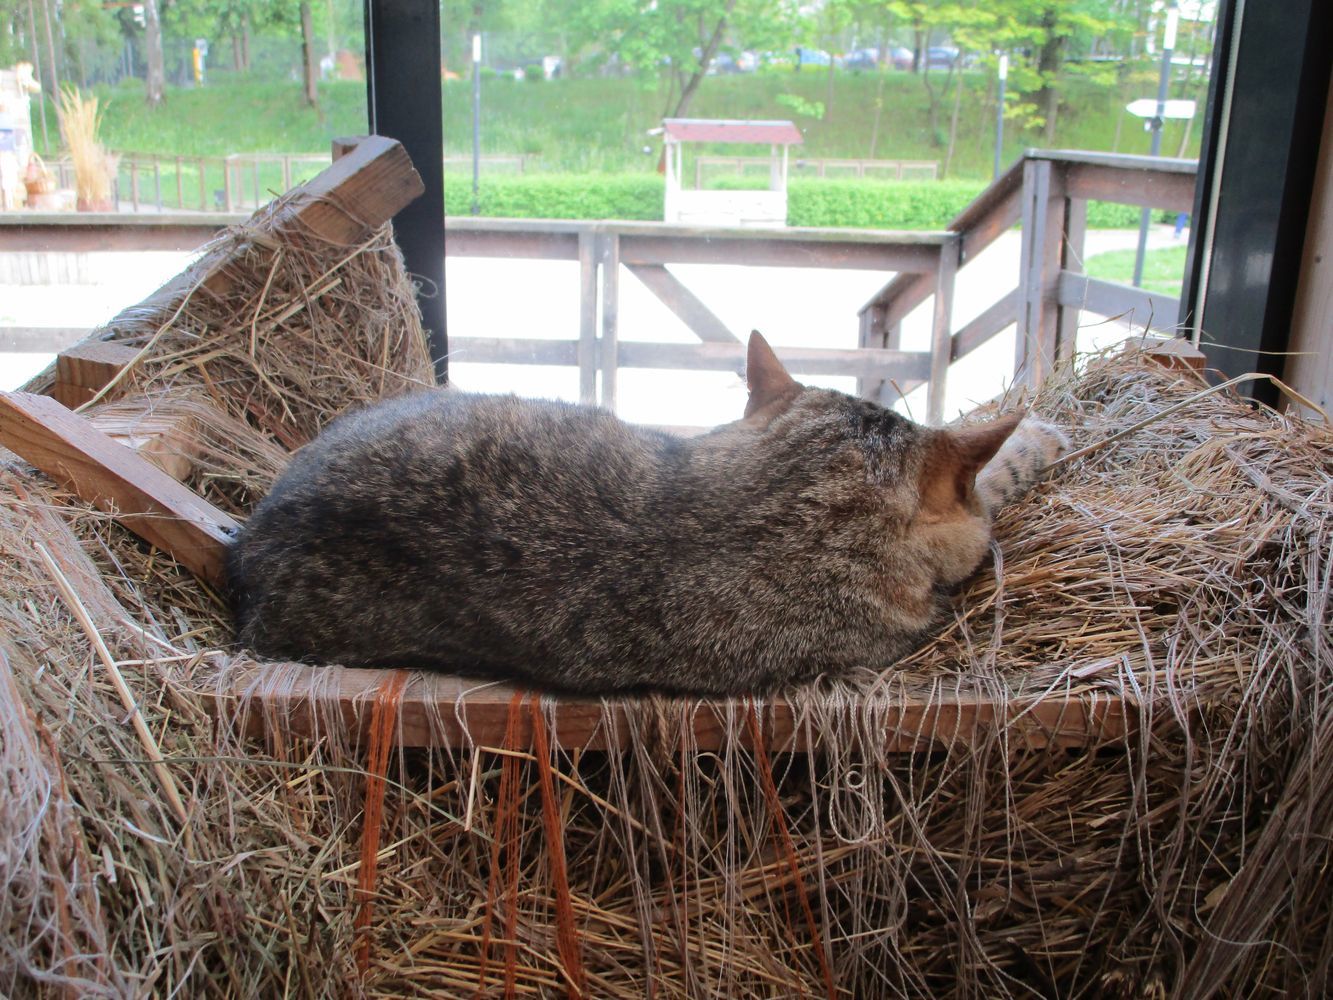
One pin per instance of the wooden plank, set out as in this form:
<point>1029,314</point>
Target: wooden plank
<point>69,449</point>
<point>610,261</point>
<point>299,700</point>
<point>506,244</point>
<point>86,367</point>
<point>1170,352</point>
<point>1071,260</point>
<point>512,351</point>
<point>866,363</point>
<point>941,343</point>
<point>892,253</point>
<point>1151,310</point>
<point>995,318</point>
<point>167,439</point>
<point>1148,186</point>
<point>587,349</point>
<point>701,320</point>
<point>113,234</point>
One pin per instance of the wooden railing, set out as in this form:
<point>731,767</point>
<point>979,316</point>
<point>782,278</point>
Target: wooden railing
<point>1046,193</point>
<point>807,166</point>
<point>153,182</point>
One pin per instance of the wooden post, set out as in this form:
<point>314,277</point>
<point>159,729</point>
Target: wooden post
<point>1074,237</point>
<point>1042,219</point>
<point>941,345</point>
<point>180,190</point>
<point>587,349</point>
<point>226,183</point>
<point>134,183</point>
<point>203,185</point>
<point>114,478</point>
<point>157,180</point>
<point>610,258</point>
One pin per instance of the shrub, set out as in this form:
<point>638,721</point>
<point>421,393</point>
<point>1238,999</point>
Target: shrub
<point>557,196</point>
<point>820,203</point>
<point>533,73</point>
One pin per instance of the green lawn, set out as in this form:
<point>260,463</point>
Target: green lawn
<point>582,125</point>
<point>1163,269</point>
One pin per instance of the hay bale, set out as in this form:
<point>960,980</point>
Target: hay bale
<point>1185,570</point>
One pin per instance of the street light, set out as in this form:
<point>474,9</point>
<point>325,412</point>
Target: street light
<point>1155,124</point>
<point>476,123</point>
<point>999,111</point>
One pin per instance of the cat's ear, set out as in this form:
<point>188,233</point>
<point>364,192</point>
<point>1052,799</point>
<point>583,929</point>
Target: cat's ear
<point>771,388</point>
<point>958,454</point>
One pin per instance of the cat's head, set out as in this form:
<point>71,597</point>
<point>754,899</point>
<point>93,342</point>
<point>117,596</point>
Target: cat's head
<point>925,475</point>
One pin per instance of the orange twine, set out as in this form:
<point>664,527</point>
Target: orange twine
<point>505,836</point>
<point>383,721</point>
<point>788,847</point>
<point>566,935</point>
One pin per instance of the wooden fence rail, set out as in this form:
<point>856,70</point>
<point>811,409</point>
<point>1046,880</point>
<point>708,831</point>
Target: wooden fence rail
<point>1046,193</point>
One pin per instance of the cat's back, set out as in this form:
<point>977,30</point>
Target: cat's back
<point>435,491</point>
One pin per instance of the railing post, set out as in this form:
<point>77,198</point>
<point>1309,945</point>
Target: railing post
<point>610,260</point>
<point>226,183</point>
<point>134,184</point>
<point>203,185</point>
<point>941,334</point>
<point>587,350</point>
<point>157,180</point>
<point>1043,223</point>
<point>1071,253</point>
<point>180,189</point>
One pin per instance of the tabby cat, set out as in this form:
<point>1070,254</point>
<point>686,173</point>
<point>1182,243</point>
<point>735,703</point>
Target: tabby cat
<point>558,546</point>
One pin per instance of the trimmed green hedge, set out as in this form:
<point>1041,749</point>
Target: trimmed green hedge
<point>560,196</point>
<point>856,204</point>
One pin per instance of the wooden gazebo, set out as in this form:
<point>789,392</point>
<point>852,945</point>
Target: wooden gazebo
<point>753,207</point>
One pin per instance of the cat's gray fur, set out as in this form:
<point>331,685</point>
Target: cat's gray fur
<point>559,546</point>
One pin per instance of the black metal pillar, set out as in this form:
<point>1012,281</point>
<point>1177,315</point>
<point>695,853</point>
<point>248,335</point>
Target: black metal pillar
<point>1257,167</point>
<point>404,102</point>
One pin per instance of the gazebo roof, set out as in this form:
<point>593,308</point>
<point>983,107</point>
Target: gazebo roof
<point>781,133</point>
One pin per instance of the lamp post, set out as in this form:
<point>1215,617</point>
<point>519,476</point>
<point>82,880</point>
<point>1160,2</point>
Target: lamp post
<point>476,123</point>
<point>1155,124</point>
<point>999,112</point>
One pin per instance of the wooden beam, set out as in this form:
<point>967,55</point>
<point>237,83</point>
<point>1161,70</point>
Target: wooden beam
<point>701,320</point>
<point>167,439</point>
<point>1151,310</point>
<point>69,449</point>
<point>82,370</point>
<point>1171,352</point>
<point>294,699</point>
<point>869,363</point>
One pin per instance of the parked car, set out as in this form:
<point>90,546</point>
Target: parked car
<point>811,57</point>
<point>900,58</point>
<point>862,59</point>
<point>941,57</point>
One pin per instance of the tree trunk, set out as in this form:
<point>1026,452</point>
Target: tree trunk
<point>697,77</point>
<point>245,42</point>
<point>53,67</point>
<point>1048,64</point>
<point>236,63</point>
<point>828,89</point>
<point>309,69</point>
<point>153,39</point>
<point>953,122</point>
